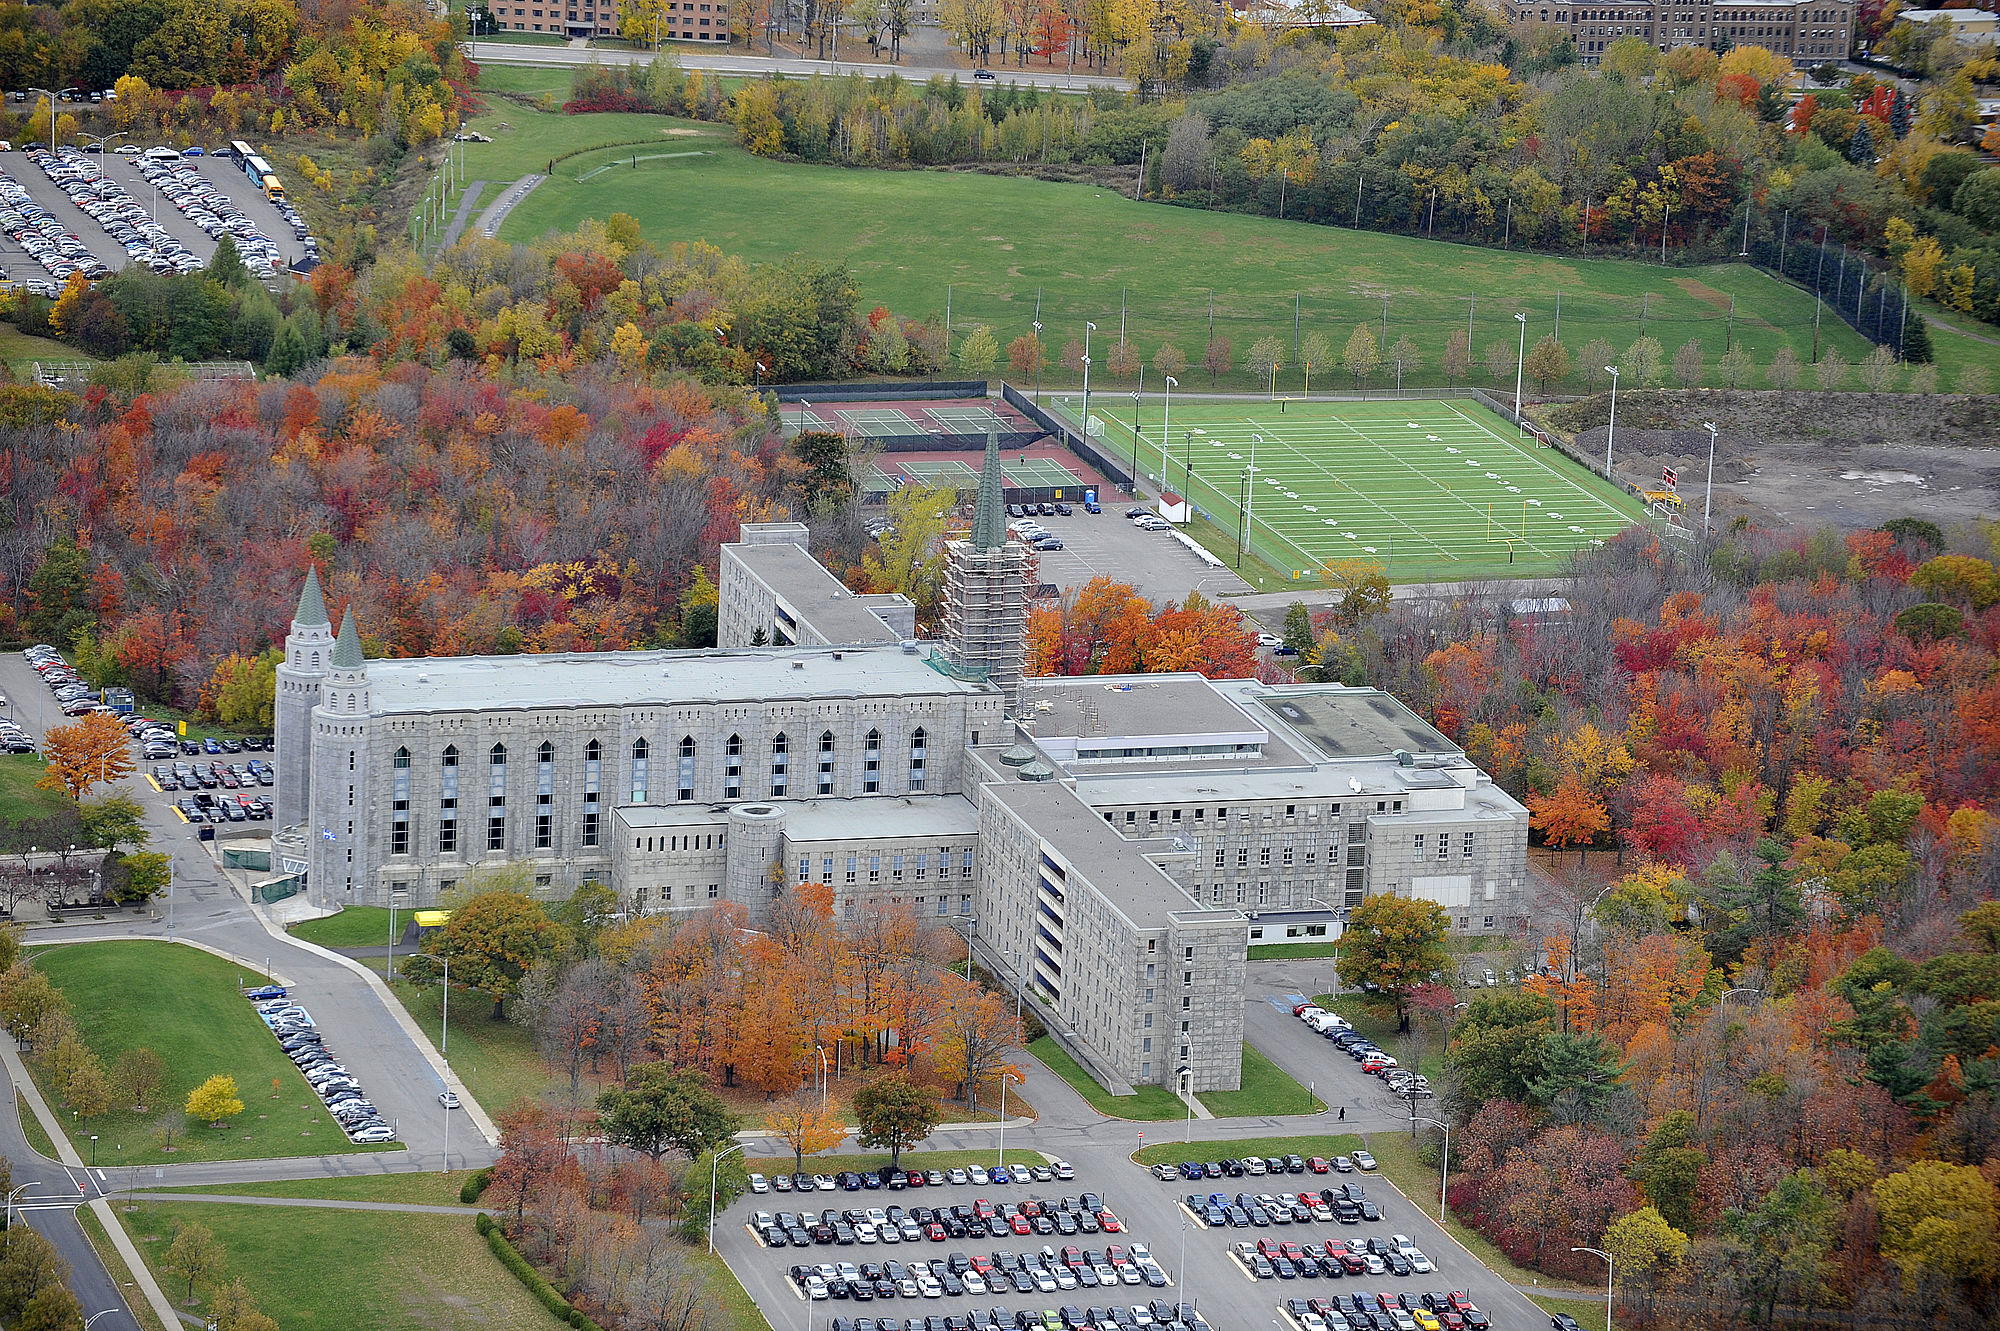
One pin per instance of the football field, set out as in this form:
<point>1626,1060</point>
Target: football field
<point>1428,489</point>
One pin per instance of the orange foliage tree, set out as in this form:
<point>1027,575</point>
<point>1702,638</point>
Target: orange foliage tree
<point>92,751</point>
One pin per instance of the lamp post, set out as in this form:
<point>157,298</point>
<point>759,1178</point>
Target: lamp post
<point>1166,423</point>
<point>1520,363</point>
<point>1039,355</point>
<point>52,110</point>
<point>1186,1074</point>
<point>1708,484</point>
<point>714,1172</point>
<point>94,1316</point>
<point>1088,329</point>
<point>1611,429</point>
<point>25,1187</point>
<point>93,1150</point>
<point>1444,1172</point>
<point>821,1050</point>
<point>1610,1267</point>
<point>1136,395</point>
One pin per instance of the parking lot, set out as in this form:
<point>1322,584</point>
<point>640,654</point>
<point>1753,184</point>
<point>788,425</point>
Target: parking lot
<point>1197,1262</point>
<point>298,1036</point>
<point>1108,545</point>
<point>222,173</point>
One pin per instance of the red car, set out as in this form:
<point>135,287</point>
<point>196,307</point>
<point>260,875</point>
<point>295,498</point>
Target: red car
<point>1111,1223</point>
<point>915,1178</point>
<point>1457,1301</point>
<point>1318,1165</point>
<point>1293,1251</point>
<point>934,1232</point>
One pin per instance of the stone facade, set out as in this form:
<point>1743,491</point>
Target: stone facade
<point>1807,32</point>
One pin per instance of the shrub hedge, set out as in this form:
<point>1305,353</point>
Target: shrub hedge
<point>469,1191</point>
<point>544,1292</point>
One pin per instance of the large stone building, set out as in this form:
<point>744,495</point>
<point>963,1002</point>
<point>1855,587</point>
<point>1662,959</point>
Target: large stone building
<point>1807,32</point>
<point>1112,844</point>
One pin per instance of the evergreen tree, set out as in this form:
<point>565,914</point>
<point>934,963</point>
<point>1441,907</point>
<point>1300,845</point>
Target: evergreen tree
<point>1917,340</point>
<point>288,351</point>
<point>1899,115</point>
<point>227,265</point>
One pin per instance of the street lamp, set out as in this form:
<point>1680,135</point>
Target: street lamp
<point>1166,423</point>
<point>1136,395</point>
<point>1186,1074</point>
<point>1708,485</point>
<point>714,1167</point>
<point>1444,1171</point>
<point>93,1150</point>
<point>1611,429</point>
<point>821,1050</point>
<point>1610,1267</point>
<point>25,1187</point>
<point>94,1316</point>
<point>52,110</point>
<point>1520,363</point>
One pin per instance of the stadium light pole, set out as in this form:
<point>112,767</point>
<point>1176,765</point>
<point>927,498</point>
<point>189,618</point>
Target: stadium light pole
<point>1088,329</point>
<point>1708,486</point>
<point>1612,429</point>
<point>1520,361</point>
<point>1038,362</point>
<point>1172,384</point>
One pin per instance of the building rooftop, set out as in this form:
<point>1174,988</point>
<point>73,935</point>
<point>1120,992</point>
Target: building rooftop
<point>818,597</point>
<point>871,816</point>
<point>620,679</point>
<point>1116,867</point>
<point>1149,707</point>
<point>1338,723</point>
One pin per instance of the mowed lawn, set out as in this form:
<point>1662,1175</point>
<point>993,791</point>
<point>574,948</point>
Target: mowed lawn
<point>1152,269</point>
<point>316,1270</point>
<point>355,926</point>
<point>183,1004</point>
<point>1431,489</point>
<point>20,797</point>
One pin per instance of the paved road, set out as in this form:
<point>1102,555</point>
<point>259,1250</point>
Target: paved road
<point>507,53</point>
<point>466,202</point>
<point>496,212</point>
<point>396,1074</point>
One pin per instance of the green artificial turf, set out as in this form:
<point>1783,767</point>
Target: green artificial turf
<point>314,1270</point>
<point>184,1005</point>
<point>1172,1153</point>
<point>1147,1104</point>
<point>1149,269</point>
<point>355,926</point>
<point>1264,1088</point>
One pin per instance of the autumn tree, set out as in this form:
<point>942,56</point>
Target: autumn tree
<point>1940,1220</point>
<point>663,1109</point>
<point>215,1100</point>
<point>1568,816</point>
<point>95,749</point>
<point>976,1033</point>
<point>492,940</point>
<point>801,1124</point>
<point>141,1074</point>
<point>115,820</point>
<point>194,1255</point>
<point>1548,360</point>
<point>1217,358</point>
<point>1361,355</point>
<point>894,1112</point>
<point>1026,357</point>
<point>1396,943</point>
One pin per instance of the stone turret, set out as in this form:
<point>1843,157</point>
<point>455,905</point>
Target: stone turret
<point>338,825</point>
<point>986,589</point>
<point>308,655</point>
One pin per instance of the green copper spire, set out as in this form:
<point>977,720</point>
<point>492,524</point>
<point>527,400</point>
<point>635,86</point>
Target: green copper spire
<point>347,647</point>
<point>989,515</point>
<point>312,606</point>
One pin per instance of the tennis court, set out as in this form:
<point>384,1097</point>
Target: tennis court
<point>1430,489</point>
<point>951,419</point>
<point>1017,472</point>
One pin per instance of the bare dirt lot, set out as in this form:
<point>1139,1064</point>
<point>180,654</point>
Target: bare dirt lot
<point>1852,460</point>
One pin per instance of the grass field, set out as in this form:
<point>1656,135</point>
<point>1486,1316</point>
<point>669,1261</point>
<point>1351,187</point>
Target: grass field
<point>1265,1088</point>
<point>183,1004</point>
<point>20,798</point>
<point>31,1128</point>
<point>497,1060</point>
<point>331,1270</point>
<point>1150,1104</point>
<point>1424,488</point>
<point>1147,269</point>
<point>355,926</point>
<point>427,1189</point>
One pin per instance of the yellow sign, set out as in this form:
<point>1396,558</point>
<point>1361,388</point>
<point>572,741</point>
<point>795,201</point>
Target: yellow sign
<point>184,729</point>
<point>432,919</point>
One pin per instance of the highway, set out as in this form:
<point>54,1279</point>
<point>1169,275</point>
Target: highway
<point>508,53</point>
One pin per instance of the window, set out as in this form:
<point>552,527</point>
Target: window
<point>826,762</point>
<point>966,870</point>
<point>593,771</point>
<point>896,868</point>
<point>917,758</point>
<point>1264,857</point>
<point>399,813</point>
<point>496,798</point>
<point>685,789</point>
<point>1418,842</point>
<point>732,768</point>
<point>923,864</point>
<point>1444,845</point>
<point>875,868</point>
<point>714,891</point>
<point>545,798</point>
<point>1466,844</point>
<point>853,862</point>
<point>871,763</point>
<point>639,762</point>
<point>448,802</point>
<point>781,753</point>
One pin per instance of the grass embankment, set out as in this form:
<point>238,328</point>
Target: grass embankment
<point>31,1128</point>
<point>1172,1153</point>
<point>183,1004</point>
<point>20,798</point>
<point>314,1270</point>
<point>355,926</point>
<point>1264,1088</point>
<point>19,350</point>
<point>1149,1103</point>
<point>1588,1315</point>
<point>114,1265</point>
<point>1093,253</point>
<point>420,1189</point>
<point>497,1060</point>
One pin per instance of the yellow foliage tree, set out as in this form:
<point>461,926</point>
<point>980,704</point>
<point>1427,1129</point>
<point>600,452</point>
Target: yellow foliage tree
<point>95,750</point>
<point>215,1101</point>
<point>800,1124</point>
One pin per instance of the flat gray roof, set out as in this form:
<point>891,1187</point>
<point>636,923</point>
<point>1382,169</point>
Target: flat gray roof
<point>878,816</point>
<point>1116,867</point>
<point>816,595</point>
<point>1134,707</point>
<point>1343,723</point>
<point>622,679</point>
